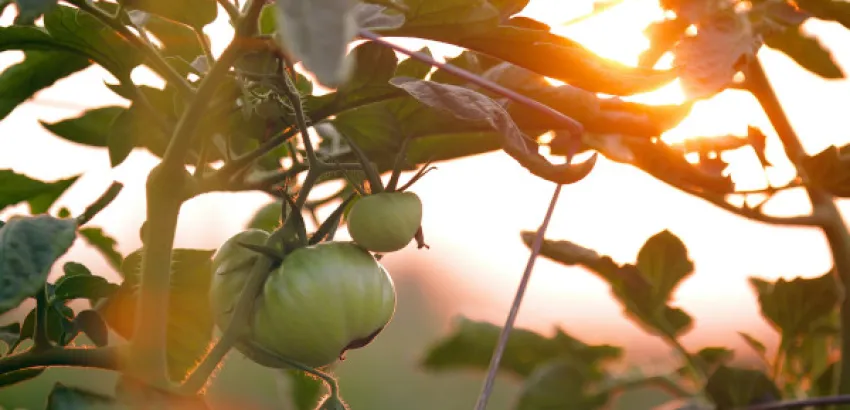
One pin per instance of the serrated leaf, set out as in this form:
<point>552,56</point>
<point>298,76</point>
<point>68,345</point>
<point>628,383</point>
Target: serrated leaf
<point>16,188</point>
<point>795,307</point>
<point>709,60</point>
<point>731,387</point>
<point>28,248</point>
<point>18,376</point>
<point>807,51</point>
<point>560,384</point>
<point>64,397</point>
<point>91,128</point>
<point>90,323</point>
<point>194,13</point>
<point>190,321</point>
<point>317,32</point>
<point>39,70</point>
<point>83,287</point>
<point>104,243</point>
<point>471,344</point>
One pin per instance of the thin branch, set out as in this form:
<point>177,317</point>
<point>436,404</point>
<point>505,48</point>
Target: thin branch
<point>238,164</point>
<point>231,9</point>
<point>749,213</point>
<point>158,63</point>
<point>803,403</point>
<point>105,199</point>
<point>495,361</point>
<point>205,45</point>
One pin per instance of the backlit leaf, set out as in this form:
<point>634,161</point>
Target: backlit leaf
<point>90,128</point>
<point>39,70</point>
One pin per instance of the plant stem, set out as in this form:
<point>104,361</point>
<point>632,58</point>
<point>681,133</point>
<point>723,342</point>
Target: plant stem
<point>509,323</point>
<point>101,358</point>
<point>831,222</point>
<point>105,199</point>
<point>231,10</point>
<point>205,45</point>
<point>157,62</point>
<point>40,339</point>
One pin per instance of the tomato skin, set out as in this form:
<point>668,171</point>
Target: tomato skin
<point>231,268</point>
<point>323,300</point>
<point>385,222</point>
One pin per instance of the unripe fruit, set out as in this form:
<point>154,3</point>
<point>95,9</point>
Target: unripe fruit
<point>323,300</point>
<point>385,222</point>
<point>231,268</point>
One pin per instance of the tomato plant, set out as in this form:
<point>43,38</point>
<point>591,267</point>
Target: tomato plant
<point>290,296</point>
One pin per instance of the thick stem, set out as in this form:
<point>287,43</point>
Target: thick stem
<point>101,358</point>
<point>831,222</point>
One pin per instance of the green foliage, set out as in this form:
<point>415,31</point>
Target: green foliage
<point>732,387</point>
<point>190,321</point>
<point>64,397</point>
<point>193,13</point>
<point>39,70</point>
<point>90,128</point>
<point>559,385</point>
<point>30,10</point>
<point>28,248</point>
<point>16,188</point>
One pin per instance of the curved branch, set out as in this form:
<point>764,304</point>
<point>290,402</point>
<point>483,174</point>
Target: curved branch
<point>100,358</point>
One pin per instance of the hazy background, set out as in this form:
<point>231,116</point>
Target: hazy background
<point>474,210</point>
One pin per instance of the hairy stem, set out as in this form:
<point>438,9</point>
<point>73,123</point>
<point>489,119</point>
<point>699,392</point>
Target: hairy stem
<point>830,220</point>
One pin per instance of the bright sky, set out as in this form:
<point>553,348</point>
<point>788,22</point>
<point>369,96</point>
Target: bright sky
<point>475,208</point>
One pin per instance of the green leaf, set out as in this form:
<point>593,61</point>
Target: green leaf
<point>123,136</point>
<point>64,397</point>
<point>77,30</point>
<point>414,68</point>
<point>643,290</point>
<point>471,344</point>
<point>267,217</point>
<point>268,19</point>
<point>560,384</point>
<point>663,261</point>
<point>190,321</point>
<point>373,66</point>
<point>30,10</point>
<point>19,376</point>
<point>731,387</point>
<point>60,327</point>
<point>39,70</point>
<point>105,244</point>
<point>194,13</point>
<point>180,43</point>
<point>467,105</point>
<point>90,323</point>
<point>754,344</point>
<point>83,287</point>
<point>90,128</point>
<point>318,32</point>
<point>76,269</point>
<point>807,51</point>
<point>708,61</point>
<point>28,248</point>
<point>16,188</point>
<point>796,307</point>
<point>708,359</point>
<point>10,333</point>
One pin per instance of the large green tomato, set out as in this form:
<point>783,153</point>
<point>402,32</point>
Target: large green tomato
<point>231,268</point>
<point>385,222</point>
<point>323,300</point>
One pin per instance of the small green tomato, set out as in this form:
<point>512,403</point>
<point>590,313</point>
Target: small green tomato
<point>231,268</point>
<point>323,300</point>
<point>385,222</point>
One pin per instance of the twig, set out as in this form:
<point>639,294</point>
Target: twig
<point>495,361</point>
<point>232,10</point>
<point>101,358</point>
<point>105,199</point>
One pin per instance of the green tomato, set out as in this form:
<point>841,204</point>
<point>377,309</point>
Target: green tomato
<point>322,301</point>
<point>385,222</point>
<point>231,267</point>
